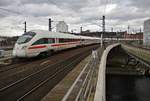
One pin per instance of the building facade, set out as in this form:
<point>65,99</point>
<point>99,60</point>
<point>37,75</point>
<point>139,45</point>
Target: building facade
<point>146,36</point>
<point>138,36</point>
<point>61,27</point>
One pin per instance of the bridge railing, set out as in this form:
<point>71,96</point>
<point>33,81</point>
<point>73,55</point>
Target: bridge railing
<point>93,85</point>
<point>86,79</point>
<point>100,88</point>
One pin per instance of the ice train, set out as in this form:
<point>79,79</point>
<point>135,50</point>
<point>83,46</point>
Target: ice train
<point>40,42</point>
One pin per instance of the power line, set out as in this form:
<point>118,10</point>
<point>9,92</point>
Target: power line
<point>108,16</point>
<point>10,11</point>
<point>105,7</point>
<point>18,19</point>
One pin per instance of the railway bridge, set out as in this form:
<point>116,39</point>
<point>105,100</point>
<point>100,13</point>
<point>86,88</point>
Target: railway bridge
<point>106,74</point>
<point>130,61</point>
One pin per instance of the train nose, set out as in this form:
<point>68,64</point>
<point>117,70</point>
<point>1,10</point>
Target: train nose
<point>18,51</point>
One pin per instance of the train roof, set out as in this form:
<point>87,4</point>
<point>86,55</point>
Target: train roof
<point>61,35</point>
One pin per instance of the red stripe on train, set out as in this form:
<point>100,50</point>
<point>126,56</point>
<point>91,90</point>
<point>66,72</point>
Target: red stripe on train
<point>58,44</point>
<point>43,46</point>
<point>39,46</point>
<point>63,44</point>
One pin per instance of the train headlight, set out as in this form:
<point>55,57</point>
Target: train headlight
<point>24,47</point>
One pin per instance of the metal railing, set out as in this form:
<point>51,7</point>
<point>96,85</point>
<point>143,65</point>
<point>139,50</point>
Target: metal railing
<point>94,79</point>
<point>87,83</point>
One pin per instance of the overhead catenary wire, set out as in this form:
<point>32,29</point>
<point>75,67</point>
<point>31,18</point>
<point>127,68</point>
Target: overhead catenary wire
<point>10,11</point>
<point>16,20</point>
<point>108,16</point>
<point>106,2</point>
<point>20,16</point>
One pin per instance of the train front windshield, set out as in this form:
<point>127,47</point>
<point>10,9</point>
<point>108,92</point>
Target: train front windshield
<point>26,37</point>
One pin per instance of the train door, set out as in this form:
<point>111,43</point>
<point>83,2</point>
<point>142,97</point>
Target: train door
<point>56,47</point>
<point>51,42</point>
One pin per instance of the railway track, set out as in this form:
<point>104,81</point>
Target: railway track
<point>19,63</point>
<point>142,47</point>
<point>12,66</point>
<point>19,72</point>
<point>16,63</point>
<point>23,62</point>
<point>32,85</point>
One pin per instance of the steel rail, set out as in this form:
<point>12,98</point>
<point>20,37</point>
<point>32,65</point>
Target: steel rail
<point>10,84</point>
<point>86,82</point>
<point>21,80</point>
<point>51,77</point>
<point>18,81</point>
<point>76,81</point>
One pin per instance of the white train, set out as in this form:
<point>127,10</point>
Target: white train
<point>40,42</point>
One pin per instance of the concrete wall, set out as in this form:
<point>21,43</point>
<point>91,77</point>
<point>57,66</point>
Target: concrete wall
<point>100,94</point>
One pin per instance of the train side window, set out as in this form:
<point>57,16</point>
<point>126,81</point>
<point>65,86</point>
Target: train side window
<point>66,40</point>
<point>61,40</point>
<point>51,40</point>
<point>45,40</point>
<point>41,41</point>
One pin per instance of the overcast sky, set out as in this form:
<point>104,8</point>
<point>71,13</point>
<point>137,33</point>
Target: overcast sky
<point>76,13</point>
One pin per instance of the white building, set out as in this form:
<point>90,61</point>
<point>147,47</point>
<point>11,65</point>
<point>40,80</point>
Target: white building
<point>146,35</point>
<point>61,27</point>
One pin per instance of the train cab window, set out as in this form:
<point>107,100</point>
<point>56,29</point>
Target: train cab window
<point>51,40</point>
<point>30,33</point>
<point>41,41</point>
<point>65,40</point>
<point>26,37</point>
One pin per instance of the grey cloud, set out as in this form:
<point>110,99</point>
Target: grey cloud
<point>34,1</point>
<point>6,2</point>
<point>59,3</point>
<point>142,4</point>
<point>74,12</point>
